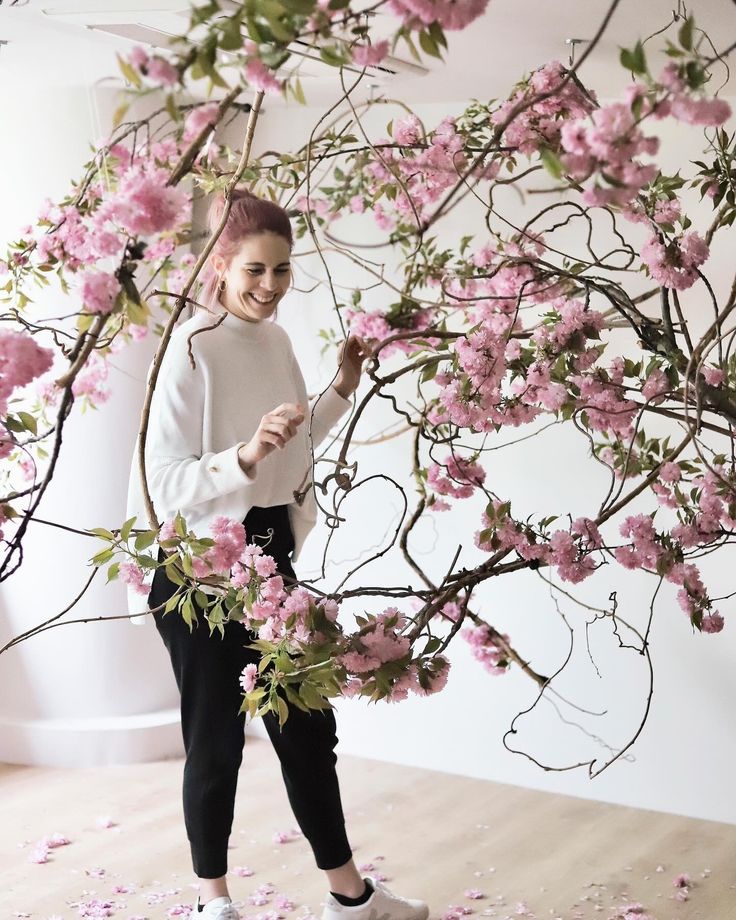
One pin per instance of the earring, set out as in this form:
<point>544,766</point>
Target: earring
<point>221,285</point>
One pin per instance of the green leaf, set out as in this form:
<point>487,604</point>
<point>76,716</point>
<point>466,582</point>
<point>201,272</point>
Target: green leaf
<point>634,59</point>
<point>172,108</point>
<point>112,572</point>
<point>188,613</point>
<point>298,91</point>
<point>428,45</point>
<point>300,7</point>
<point>103,556</point>
<point>102,533</point>
<point>119,114</point>
<point>552,163</point>
<point>331,57</point>
<point>283,710</point>
<point>180,526</point>
<point>231,38</point>
<point>435,30</point>
<point>127,527</point>
<point>144,540</point>
<point>685,34</point>
<point>129,72</point>
<point>29,421</point>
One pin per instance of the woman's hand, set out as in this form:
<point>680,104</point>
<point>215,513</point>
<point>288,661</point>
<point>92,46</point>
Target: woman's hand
<point>354,352</point>
<point>274,430</point>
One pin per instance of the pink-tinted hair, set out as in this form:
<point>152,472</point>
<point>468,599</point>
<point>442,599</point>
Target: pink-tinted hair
<point>248,215</point>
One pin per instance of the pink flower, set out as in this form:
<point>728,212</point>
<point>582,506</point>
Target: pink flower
<point>200,117</point>
<point>248,677</point>
<point>144,204</point>
<point>133,575</point>
<point>408,130</point>
<point>368,55</point>
<point>709,112</point>
<point>162,72</point>
<point>138,57</point>
<point>714,376</point>
<point>450,14</point>
<point>711,623</point>
<point>675,264</point>
<point>99,290</point>
<point>91,379</point>
<point>242,871</point>
<point>260,77</point>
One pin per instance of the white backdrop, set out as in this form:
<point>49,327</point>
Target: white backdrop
<point>682,761</point>
<point>78,685</point>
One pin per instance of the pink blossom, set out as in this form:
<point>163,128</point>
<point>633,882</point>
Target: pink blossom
<point>708,112</point>
<point>21,361</point>
<point>370,55</point>
<point>199,118</point>
<point>407,131</point>
<point>675,264</point>
<point>91,379</point>
<point>133,575</point>
<point>260,77</point>
<point>99,290</point>
<point>431,676</point>
<point>144,204</point>
<point>265,566</point>
<point>450,14</point>
<point>463,476</point>
<point>138,57</point>
<point>486,648</point>
<point>714,376</point>
<point>670,472</point>
<point>711,622</point>
<point>667,211</point>
<point>242,871</point>
<point>248,677</point>
<point>162,72</point>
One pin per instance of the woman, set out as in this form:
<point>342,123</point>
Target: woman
<point>230,437</point>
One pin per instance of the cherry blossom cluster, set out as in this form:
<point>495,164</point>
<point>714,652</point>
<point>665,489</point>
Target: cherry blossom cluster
<point>21,361</point>
<point>375,658</point>
<point>486,649</point>
<point>462,477</point>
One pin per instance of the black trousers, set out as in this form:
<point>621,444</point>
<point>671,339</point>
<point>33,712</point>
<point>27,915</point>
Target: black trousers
<point>207,671</point>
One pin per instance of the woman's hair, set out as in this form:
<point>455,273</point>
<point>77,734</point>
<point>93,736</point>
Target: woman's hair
<point>248,215</point>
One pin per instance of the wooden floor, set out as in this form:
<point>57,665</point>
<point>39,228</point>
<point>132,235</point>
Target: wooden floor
<point>432,835</point>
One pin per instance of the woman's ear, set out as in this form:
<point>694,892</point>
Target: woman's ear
<point>218,264</point>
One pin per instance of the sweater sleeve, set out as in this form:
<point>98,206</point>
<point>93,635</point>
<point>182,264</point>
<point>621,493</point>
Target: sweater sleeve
<point>326,408</point>
<point>179,475</point>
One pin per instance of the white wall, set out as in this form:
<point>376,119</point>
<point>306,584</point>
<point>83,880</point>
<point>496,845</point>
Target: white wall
<point>682,760</point>
<point>84,693</point>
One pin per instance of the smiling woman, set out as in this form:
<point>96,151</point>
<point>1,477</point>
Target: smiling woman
<point>249,267</point>
<point>227,442</point>
<point>257,277</point>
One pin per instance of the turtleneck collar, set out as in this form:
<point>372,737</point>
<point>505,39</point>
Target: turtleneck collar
<point>247,329</point>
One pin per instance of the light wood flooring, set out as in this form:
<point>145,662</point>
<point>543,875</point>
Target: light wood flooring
<point>432,835</point>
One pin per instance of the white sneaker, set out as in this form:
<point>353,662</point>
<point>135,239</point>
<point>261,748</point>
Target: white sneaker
<point>382,905</point>
<point>216,909</point>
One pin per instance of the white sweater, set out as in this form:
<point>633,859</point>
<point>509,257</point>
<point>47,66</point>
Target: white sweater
<point>200,417</point>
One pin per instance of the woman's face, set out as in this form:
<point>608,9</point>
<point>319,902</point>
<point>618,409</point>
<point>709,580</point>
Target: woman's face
<point>258,276</point>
